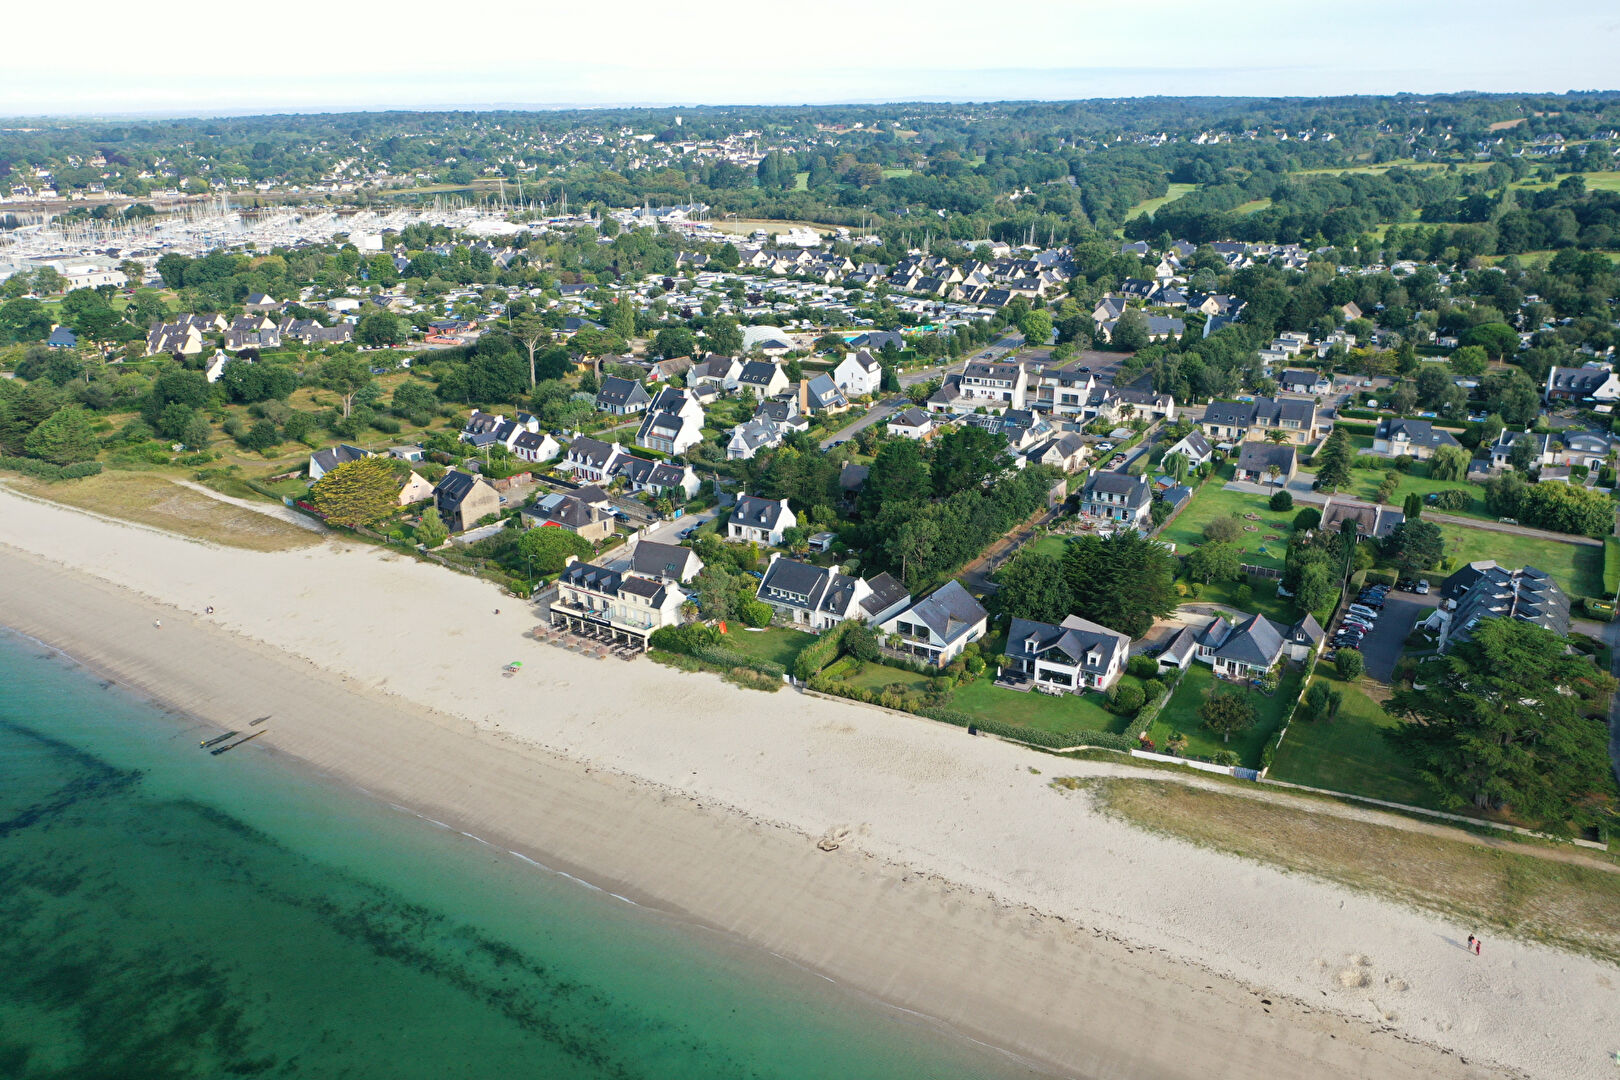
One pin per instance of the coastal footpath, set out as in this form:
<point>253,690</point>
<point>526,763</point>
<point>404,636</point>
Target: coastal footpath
<point>965,887</point>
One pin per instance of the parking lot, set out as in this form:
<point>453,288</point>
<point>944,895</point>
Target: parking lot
<point>1383,644</point>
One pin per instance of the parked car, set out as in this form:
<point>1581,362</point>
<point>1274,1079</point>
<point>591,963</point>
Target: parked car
<point>1104,447</point>
<point>1357,623</point>
<point>1363,609</point>
<point>1422,588</point>
<point>1408,585</point>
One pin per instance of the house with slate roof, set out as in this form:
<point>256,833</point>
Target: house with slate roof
<point>624,608</point>
<point>1596,383</point>
<point>938,627</point>
<point>817,598</point>
<point>821,394</point>
<point>760,521</point>
<point>1257,460</point>
<point>1119,497</point>
<point>324,461</point>
<point>1236,421</point>
<point>669,563</point>
<point>590,459</point>
<point>1074,656</point>
<point>1487,590</point>
<point>673,424</point>
<point>1416,438</point>
<point>463,499</point>
<point>1194,447</point>
<point>657,477</point>
<point>858,373</point>
<point>572,512</point>
<point>762,378</point>
<point>622,397</point>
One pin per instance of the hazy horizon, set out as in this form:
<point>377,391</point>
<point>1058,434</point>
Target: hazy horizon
<point>315,58</point>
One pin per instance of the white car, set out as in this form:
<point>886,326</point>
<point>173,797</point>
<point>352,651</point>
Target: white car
<point>1364,611</point>
<point>1104,447</point>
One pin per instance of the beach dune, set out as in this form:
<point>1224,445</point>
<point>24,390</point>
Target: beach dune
<point>965,888</point>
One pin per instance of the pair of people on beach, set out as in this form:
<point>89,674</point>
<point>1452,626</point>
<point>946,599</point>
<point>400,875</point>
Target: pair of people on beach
<point>1473,943</point>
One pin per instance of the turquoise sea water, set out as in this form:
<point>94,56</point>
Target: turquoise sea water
<point>165,913</point>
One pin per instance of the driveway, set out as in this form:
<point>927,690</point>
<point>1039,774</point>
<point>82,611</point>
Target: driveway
<point>669,532</point>
<point>1384,643</point>
<point>876,413</point>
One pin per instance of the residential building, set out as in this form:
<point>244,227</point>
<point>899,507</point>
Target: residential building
<point>573,512</point>
<point>763,378</point>
<point>994,384</point>
<point>1414,438</point>
<point>324,461</point>
<point>1236,421</point>
<point>1119,497</point>
<point>1194,447</point>
<point>817,598</point>
<point>1299,381</point>
<point>673,424</point>
<point>1266,463</point>
<point>62,338</point>
<point>1243,651</point>
<point>1067,452</point>
<point>1596,383</point>
<point>938,627</point>
<point>859,373</point>
<point>761,521</point>
<point>752,436</point>
<point>1074,656</point>
<point>912,423</point>
<point>591,459</point>
<point>535,448</point>
<point>463,499</point>
<point>413,488</point>
<point>656,477</point>
<point>1542,450</point>
<point>1487,590</point>
<point>718,371</point>
<point>622,397</point>
<point>669,563</point>
<point>626,608</point>
<point>820,394</point>
<point>1373,522</point>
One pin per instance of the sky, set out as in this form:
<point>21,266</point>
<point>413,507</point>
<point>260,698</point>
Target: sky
<point>198,58</point>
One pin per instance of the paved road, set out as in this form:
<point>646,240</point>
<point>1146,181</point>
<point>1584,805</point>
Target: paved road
<point>668,532</point>
<point>880,411</point>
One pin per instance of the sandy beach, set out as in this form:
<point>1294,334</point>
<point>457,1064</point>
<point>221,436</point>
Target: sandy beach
<point>968,890</point>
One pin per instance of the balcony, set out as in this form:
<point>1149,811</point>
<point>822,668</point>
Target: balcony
<point>605,617</point>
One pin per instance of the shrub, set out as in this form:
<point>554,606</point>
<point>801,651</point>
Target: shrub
<point>1223,529</point>
<point>1314,706</point>
<point>1242,595</point>
<point>1281,501</point>
<point>1125,699</point>
<point>1308,518</point>
<point>1153,689</point>
<point>1227,757</point>
<point>1350,664</point>
<point>1143,667</point>
<point>80,469</point>
<point>683,639</point>
<point>819,653</point>
<point>755,613</point>
<point>1453,499</point>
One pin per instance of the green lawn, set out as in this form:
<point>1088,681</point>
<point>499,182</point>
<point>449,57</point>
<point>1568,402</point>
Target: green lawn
<point>1211,501</point>
<point>1578,568</point>
<point>1180,713</point>
<point>1350,753</point>
<point>877,676</point>
<point>801,181</point>
<point>777,644</point>
<point>1417,480</point>
<point>1151,206</point>
<point>1048,545</point>
<point>1252,206</point>
<point>1263,598</point>
<point>1045,712</point>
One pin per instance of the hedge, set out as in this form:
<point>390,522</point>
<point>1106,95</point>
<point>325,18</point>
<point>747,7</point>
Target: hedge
<point>731,658</point>
<point>44,470</point>
<point>1611,566</point>
<point>820,652</point>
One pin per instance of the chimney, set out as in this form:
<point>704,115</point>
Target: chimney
<point>804,397</point>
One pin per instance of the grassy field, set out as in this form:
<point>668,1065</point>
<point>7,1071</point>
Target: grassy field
<point>1151,206</point>
<point>1417,481</point>
<point>1252,206</point>
<point>776,644</point>
<point>1570,904</point>
<point>1048,545</point>
<point>1595,181</point>
<point>149,498</point>
<point>1212,501</point>
<point>876,676</point>
<point>1263,598</point>
<point>1180,713</point>
<point>1578,568</point>
<point>1350,752</point>
<point>1045,712</point>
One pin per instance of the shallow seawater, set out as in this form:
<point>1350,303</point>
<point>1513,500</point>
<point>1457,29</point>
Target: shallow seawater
<point>167,913</point>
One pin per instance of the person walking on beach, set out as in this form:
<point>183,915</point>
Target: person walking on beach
<point>1468,947</point>
<point>1476,946</point>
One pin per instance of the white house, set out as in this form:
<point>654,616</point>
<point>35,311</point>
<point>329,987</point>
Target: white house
<point>322,462</point>
<point>591,459</point>
<point>535,448</point>
<point>1074,656</point>
<point>858,373</point>
<point>763,378</point>
<point>673,424</point>
<point>818,598</point>
<point>938,627</point>
<point>912,423</point>
<point>760,520</point>
<point>1194,447</point>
